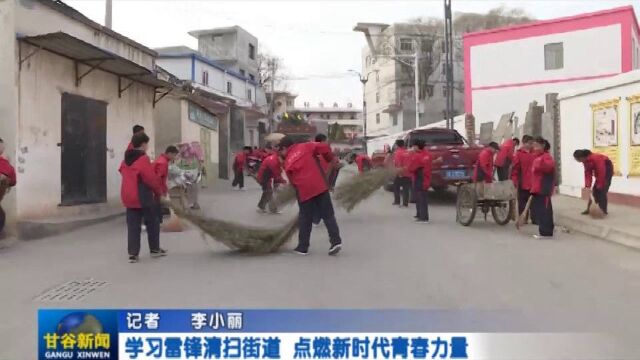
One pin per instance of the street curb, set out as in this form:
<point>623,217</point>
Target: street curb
<point>598,231</point>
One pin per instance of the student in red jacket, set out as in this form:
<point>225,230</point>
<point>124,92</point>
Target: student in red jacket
<point>420,167</point>
<point>598,166</point>
<point>7,180</point>
<point>363,161</point>
<point>300,164</point>
<point>161,168</point>
<point>402,182</point>
<point>520,172</point>
<point>504,158</point>
<point>141,188</point>
<point>269,177</point>
<point>483,170</point>
<point>239,163</point>
<point>543,173</point>
<point>137,129</point>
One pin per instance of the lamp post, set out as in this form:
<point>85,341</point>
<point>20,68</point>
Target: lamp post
<point>363,80</point>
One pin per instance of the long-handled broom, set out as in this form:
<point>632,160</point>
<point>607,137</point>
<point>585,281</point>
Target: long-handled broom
<point>594,211</point>
<point>522,219</point>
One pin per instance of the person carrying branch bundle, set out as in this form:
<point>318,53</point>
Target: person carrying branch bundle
<point>598,166</point>
<point>363,161</point>
<point>402,182</point>
<point>420,166</point>
<point>543,172</point>
<point>520,173</point>
<point>7,179</point>
<point>504,158</point>
<point>161,167</point>
<point>269,177</point>
<point>301,167</point>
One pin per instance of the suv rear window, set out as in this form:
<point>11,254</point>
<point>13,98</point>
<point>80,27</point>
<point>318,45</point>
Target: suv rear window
<point>438,137</point>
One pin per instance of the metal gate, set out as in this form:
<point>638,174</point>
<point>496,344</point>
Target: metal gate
<point>83,150</point>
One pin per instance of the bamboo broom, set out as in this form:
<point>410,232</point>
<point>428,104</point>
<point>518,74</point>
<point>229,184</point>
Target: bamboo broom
<point>522,219</point>
<point>358,188</point>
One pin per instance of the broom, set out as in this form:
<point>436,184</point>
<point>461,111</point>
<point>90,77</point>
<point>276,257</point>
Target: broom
<point>241,238</point>
<point>285,195</point>
<point>358,188</point>
<point>522,219</point>
<point>594,211</point>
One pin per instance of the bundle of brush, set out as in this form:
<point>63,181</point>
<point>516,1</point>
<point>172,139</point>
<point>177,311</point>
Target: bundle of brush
<point>594,209</point>
<point>285,195</point>
<point>358,188</point>
<point>239,237</point>
<point>4,185</point>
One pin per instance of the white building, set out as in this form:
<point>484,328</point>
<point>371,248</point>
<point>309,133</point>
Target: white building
<point>603,116</point>
<point>389,91</point>
<point>323,117</point>
<point>71,92</point>
<point>507,68</point>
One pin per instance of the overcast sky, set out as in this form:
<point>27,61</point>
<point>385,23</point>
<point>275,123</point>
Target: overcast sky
<point>314,38</point>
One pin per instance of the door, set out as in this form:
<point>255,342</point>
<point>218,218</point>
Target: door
<point>83,150</point>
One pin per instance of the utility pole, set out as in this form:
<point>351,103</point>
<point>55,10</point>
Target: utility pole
<point>108,14</point>
<point>272,68</point>
<point>364,80</point>
<point>416,81</point>
<point>448,41</point>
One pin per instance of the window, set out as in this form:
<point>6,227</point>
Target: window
<point>553,56</point>
<point>340,116</point>
<point>249,94</point>
<point>205,77</point>
<point>242,72</point>
<point>229,87</point>
<point>289,103</point>
<point>377,118</point>
<point>377,97</point>
<point>406,44</point>
<point>252,77</point>
<point>395,119</point>
<point>252,52</point>
<point>353,117</point>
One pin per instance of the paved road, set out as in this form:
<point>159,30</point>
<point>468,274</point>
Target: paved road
<point>569,283</point>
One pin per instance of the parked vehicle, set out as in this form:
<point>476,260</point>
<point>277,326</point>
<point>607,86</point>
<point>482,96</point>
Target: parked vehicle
<point>458,156</point>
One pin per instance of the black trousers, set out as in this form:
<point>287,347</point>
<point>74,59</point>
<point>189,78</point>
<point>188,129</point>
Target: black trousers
<point>2,218</point>
<point>267,199</point>
<point>135,217</point>
<point>334,177</point>
<point>238,179</point>
<point>543,210</point>
<point>321,204</point>
<point>422,205</point>
<point>523,197</point>
<point>503,171</point>
<point>401,185</point>
<point>601,195</point>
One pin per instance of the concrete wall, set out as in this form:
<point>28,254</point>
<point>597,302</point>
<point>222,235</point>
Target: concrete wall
<point>167,117</point>
<point>576,131</point>
<point>33,18</point>
<point>218,80</point>
<point>520,75</point>
<point>221,47</point>
<point>180,67</point>
<point>9,99</point>
<point>43,79</point>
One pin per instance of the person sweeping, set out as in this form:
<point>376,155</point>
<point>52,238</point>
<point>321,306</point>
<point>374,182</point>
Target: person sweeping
<point>598,166</point>
<point>269,177</point>
<point>420,167</point>
<point>543,172</point>
<point>306,176</point>
<point>402,182</point>
<point>7,179</point>
<point>239,164</point>
<point>520,173</point>
<point>504,158</point>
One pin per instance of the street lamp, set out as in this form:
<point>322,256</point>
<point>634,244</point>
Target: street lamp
<point>363,80</point>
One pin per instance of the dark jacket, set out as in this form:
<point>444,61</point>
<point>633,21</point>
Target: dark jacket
<point>141,186</point>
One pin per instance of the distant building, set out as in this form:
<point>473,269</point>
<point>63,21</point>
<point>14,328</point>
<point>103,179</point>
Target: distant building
<point>348,118</point>
<point>71,92</point>
<point>389,91</point>
<point>507,68</point>
<point>232,46</point>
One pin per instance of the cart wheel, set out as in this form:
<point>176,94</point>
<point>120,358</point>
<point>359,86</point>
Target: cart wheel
<point>501,212</point>
<point>466,204</point>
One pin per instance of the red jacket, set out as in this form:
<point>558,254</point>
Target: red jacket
<point>303,171</point>
<point>596,166</point>
<point>141,186</point>
<point>161,168</point>
<point>364,163</point>
<point>521,169</point>
<point>420,167</point>
<point>543,171</point>
<point>505,152</point>
<point>7,170</point>
<point>240,161</point>
<point>483,170</point>
<point>401,159</point>
<point>270,168</point>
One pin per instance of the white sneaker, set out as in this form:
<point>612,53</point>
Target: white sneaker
<point>541,237</point>
<point>261,211</point>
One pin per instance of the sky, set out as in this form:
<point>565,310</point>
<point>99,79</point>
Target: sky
<point>314,39</point>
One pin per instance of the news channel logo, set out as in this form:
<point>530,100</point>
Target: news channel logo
<point>77,334</point>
